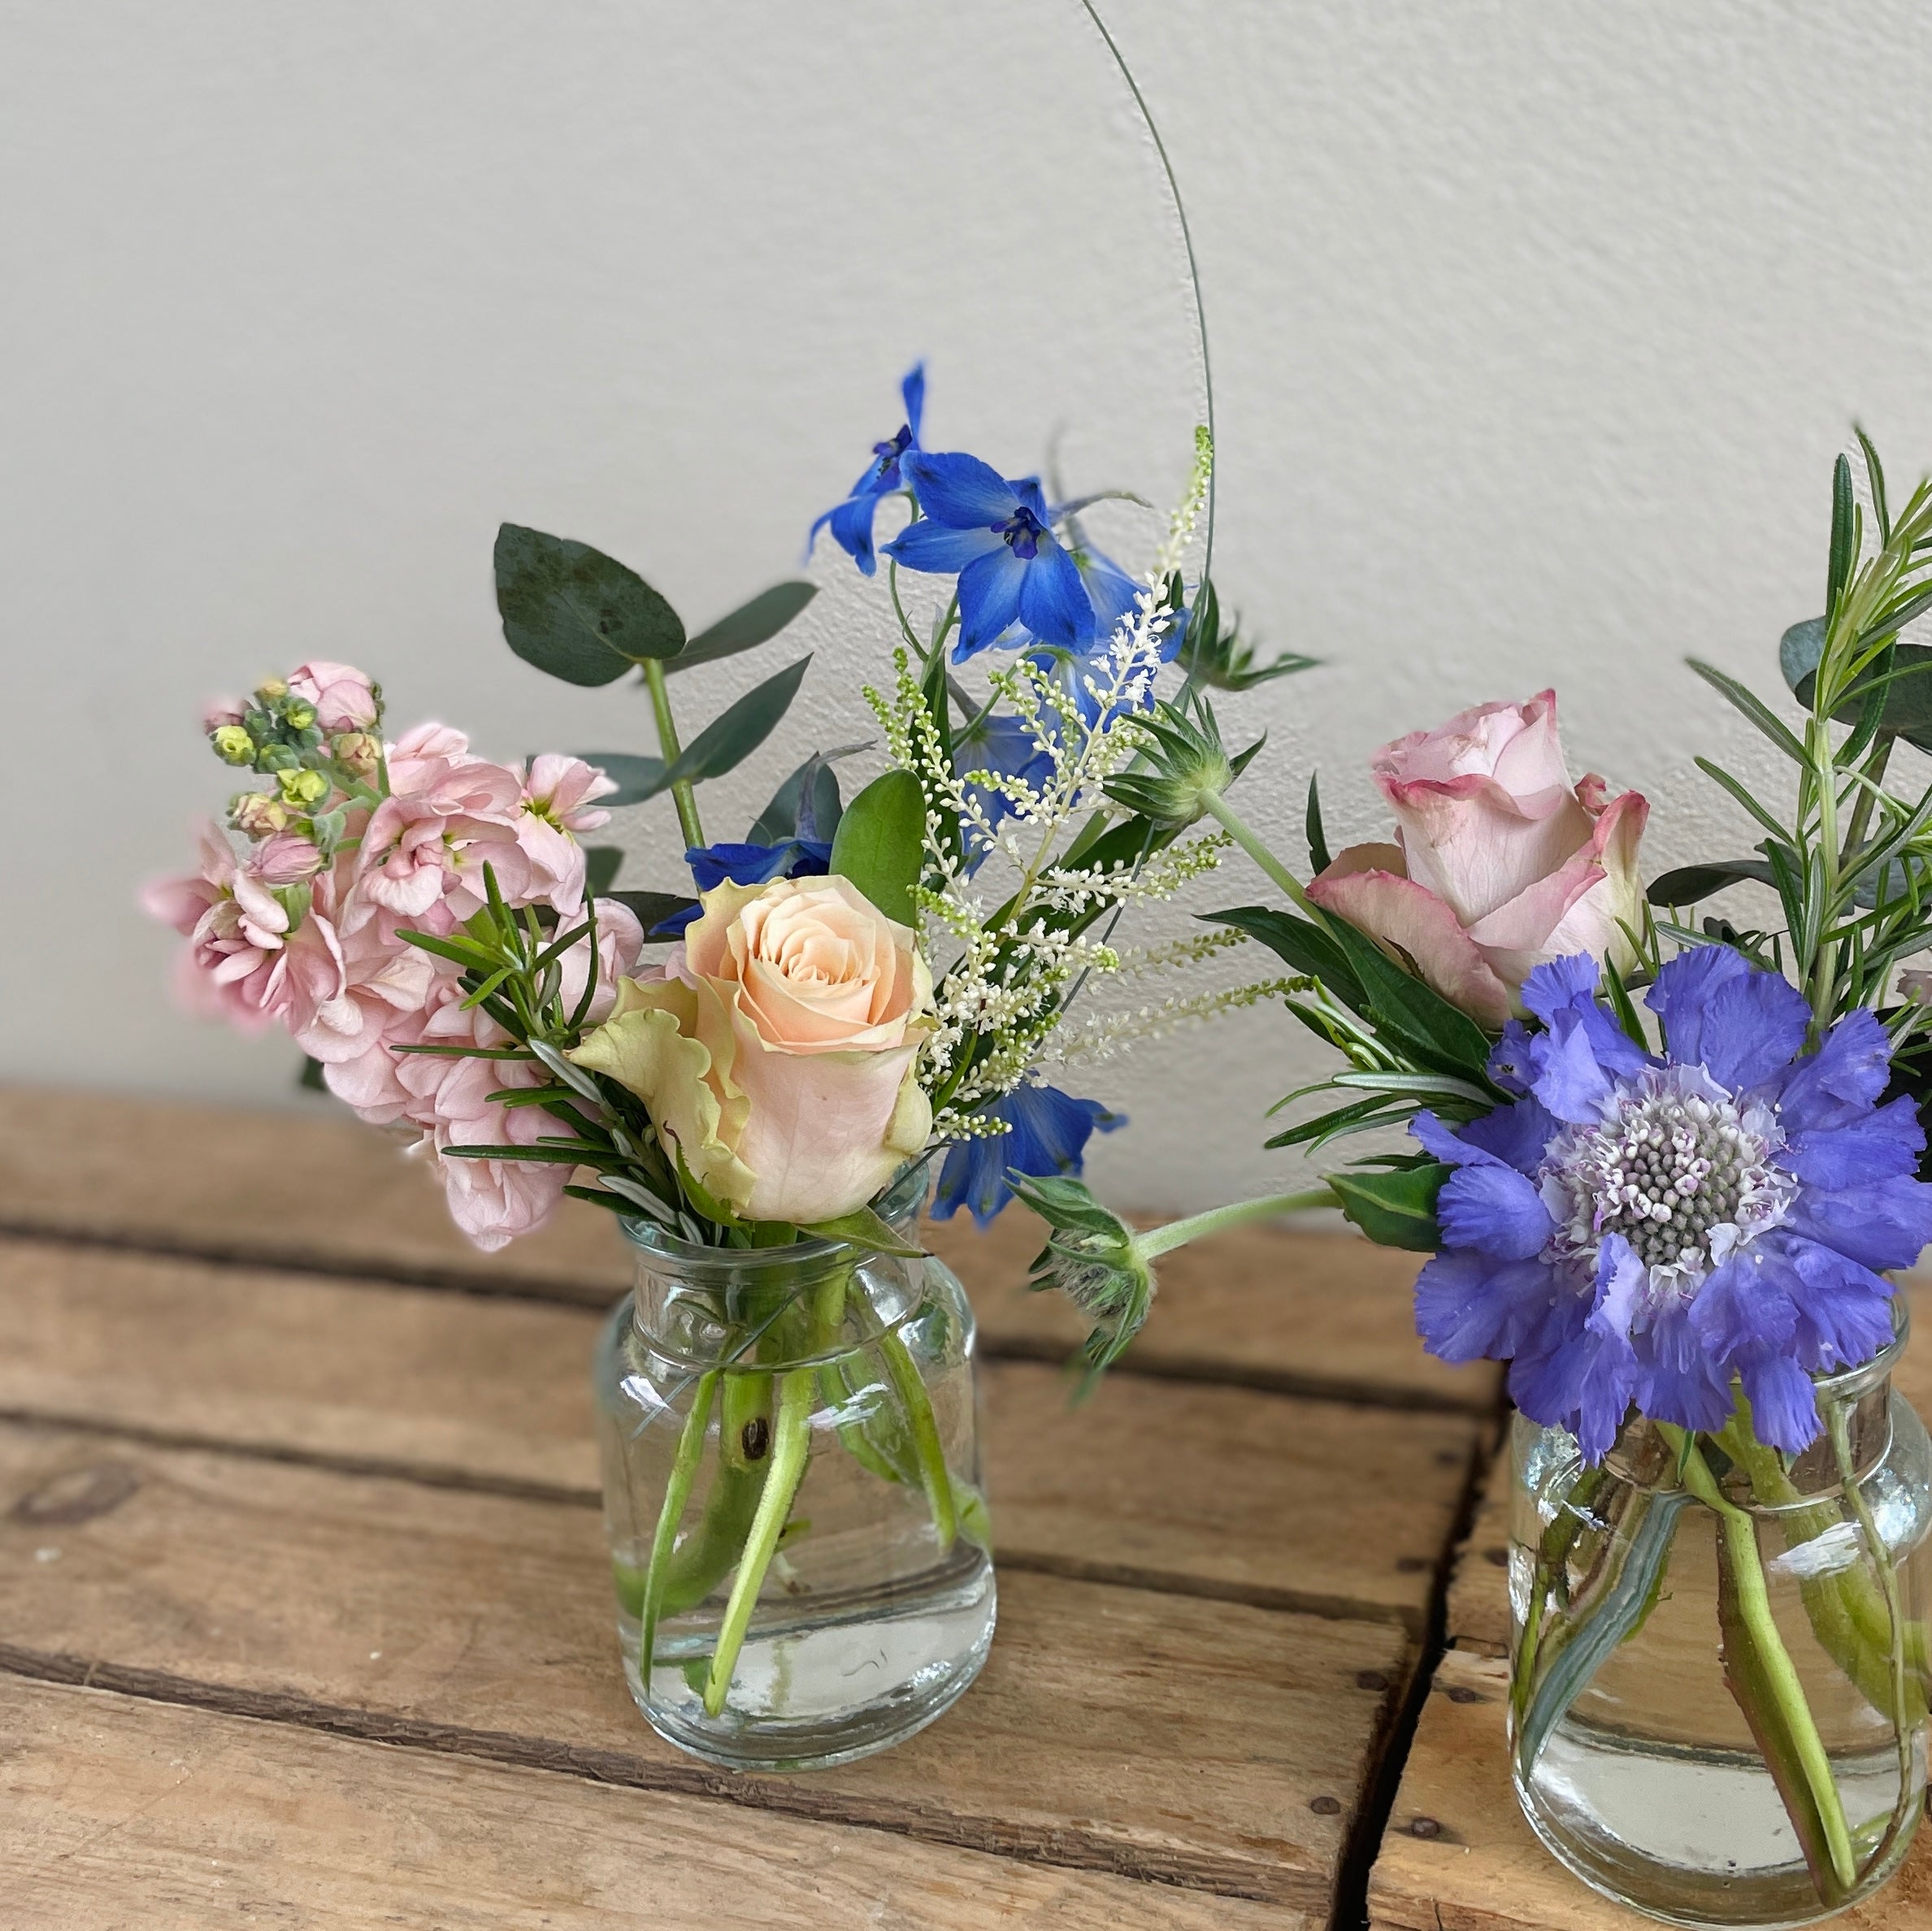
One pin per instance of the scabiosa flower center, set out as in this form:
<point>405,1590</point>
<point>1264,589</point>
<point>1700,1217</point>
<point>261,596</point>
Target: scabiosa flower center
<point>1023,531</point>
<point>1683,1170</point>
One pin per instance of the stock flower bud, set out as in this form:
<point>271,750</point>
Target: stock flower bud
<point>359,752</point>
<point>257,814</point>
<point>232,744</point>
<point>270,690</point>
<point>301,789</point>
<point>298,715</point>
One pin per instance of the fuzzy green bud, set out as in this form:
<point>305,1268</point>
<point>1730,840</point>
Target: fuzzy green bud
<point>1190,770</point>
<point>277,757</point>
<point>1094,1258</point>
<point>298,714</point>
<point>359,752</point>
<point>232,744</point>
<point>304,790</point>
<point>270,691</point>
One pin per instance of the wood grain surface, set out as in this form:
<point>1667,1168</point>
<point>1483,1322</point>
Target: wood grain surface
<point>129,1816</point>
<point>306,1617</point>
<point>316,1191</point>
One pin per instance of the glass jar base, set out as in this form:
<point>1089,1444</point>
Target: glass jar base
<point>1666,1793</point>
<point>793,1701</point>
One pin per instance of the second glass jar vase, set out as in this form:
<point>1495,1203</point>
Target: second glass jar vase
<point>799,1540</point>
<point>1720,1672</point>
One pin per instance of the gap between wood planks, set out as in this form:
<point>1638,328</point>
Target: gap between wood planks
<point>537,1291</point>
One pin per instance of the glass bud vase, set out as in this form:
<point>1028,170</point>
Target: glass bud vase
<point>1719,1673</point>
<point>800,1545</point>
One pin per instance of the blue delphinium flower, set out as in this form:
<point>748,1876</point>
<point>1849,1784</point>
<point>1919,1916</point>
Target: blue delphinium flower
<point>851,521</point>
<point>750,864</point>
<point>1641,1229</point>
<point>1050,1130</point>
<point>1004,746</point>
<point>998,537</point>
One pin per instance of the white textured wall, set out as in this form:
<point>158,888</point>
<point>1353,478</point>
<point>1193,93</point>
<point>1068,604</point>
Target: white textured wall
<point>1535,328</point>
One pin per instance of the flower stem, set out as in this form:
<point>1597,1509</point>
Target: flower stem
<point>677,1492</point>
<point>1762,1667</point>
<point>791,1449</point>
<point>683,793</point>
<point>1217,1220</point>
<point>1229,821</point>
<point>934,1476</point>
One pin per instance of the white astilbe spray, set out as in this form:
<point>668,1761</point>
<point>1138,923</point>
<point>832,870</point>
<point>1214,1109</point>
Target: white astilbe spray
<point>1103,1035</point>
<point>1017,948</point>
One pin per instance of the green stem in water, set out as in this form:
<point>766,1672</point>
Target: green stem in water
<point>791,1449</point>
<point>1157,1241</point>
<point>677,1492</point>
<point>910,1387</point>
<point>683,793</point>
<point>1765,1683</point>
<point>1903,1721</point>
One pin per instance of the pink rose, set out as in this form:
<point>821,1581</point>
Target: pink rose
<point>776,1052</point>
<point>343,697</point>
<point>1500,864</point>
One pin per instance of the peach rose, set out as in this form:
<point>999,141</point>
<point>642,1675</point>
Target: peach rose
<point>776,1052</point>
<point>1500,865</point>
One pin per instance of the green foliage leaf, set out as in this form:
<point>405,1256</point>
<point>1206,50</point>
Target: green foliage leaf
<point>749,626</point>
<point>309,1078</point>
<point>576,613</point>
<point>731,738</point>
<point>601,864</point>
<point>809,797</point>
<point>1752,707</point>
<point>1906,680</point>
<point>1690,883</point>
<point>1302,943</point>
<point>880,843</point>
<point>1317,839</point>
<point>652,908</point>
<point>863,1228</point>
<point>636,778</point>
<point>1395,1209</point>
<point>1844,534</point>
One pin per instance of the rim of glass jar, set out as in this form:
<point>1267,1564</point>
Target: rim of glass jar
<point>900,1202</point>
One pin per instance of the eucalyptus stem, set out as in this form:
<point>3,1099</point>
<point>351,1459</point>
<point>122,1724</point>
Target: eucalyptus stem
<point>1217,1220</point>
<point>684,792</point>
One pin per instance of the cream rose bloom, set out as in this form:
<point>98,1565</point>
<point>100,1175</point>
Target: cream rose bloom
<point>776,1052</point>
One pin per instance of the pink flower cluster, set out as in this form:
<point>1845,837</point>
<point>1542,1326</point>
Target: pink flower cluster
<point>300,925</point>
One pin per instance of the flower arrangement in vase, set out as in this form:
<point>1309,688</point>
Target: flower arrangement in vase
<point>1664,1170</point>
<point>857,992</point>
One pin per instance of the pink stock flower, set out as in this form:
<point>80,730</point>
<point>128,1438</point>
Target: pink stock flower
<point>343,697</point>
<point>1500,865</point>
<point>235,928</point>
<point>557,801</point>
<point>286,858</point>
<point>219,711</point>
<point>426,865</point>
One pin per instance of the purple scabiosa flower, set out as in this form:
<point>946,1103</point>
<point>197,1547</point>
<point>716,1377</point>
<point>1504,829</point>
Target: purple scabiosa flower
<point>1049,1132</point>
<point>851,521</point>
<point>1637,1228</point>
<point>998,537</point>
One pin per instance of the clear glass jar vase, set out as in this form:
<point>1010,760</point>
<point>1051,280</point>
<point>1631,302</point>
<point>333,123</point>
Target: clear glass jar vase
<point>1719,1675</point>
<point>799,1540</point>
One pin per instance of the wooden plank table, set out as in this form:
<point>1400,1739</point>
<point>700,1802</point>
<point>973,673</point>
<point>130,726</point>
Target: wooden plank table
<point>305,1616</point>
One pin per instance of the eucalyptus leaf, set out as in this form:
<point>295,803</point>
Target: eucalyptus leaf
<point>636,777</point>
<point>749,626</point>
<point>1690,883</point>
<point>576,613</point>
<point>651,909</point>
<point>880,843</point>
<point>731,737</point>
<point>601,864</point>
<point>1907,683</point>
